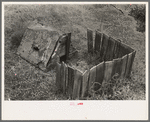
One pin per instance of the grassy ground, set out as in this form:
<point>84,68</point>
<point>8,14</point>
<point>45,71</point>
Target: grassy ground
<point>25,82</point>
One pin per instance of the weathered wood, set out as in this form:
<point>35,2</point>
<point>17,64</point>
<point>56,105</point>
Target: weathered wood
<point>77,84</point>
<point>63,78</point>
<point>124,49</point>
<point>128,66</point>
<point>70,81</point>
<point>123,67</point>
<point>66,77</point>
<point>97,42</point>
<point>68,45</point>
<point>90,40</point>
<point>58,77</point>
<point>92,78</point>
<point>85,83</point>
<point>100,69</point>
<point>110,49</point>
<point>37,45</point>
<point>104,46</point>
<point>117,68</point>
<point>108,70</point>
<point>133,56</point>
<point>116,49</point>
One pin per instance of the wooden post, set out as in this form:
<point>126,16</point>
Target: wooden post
<point>100,69</point>
<point>104,46</point>
<point>92,78</point>
<point>58,77</point>
<point>77,84</point>
<point>97,42</point>
<point>123,67</point>
<point>85,84</point>
<point>108,70</point>
<point>110,49</point>
<point>90,40</point>
<point>70,81</point>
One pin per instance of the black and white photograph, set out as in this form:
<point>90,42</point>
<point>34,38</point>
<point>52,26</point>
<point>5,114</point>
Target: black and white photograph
<point>74,52</point>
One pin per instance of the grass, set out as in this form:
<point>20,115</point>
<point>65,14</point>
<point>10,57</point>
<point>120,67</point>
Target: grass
<point>25,82</point>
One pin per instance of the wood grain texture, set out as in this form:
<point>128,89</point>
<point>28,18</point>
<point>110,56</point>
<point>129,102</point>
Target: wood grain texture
<point>110,49</point>
<point>58,77</point>
<point>100,69</point>
<point>108,70</point>
<point>90,40</point>
<point>85,78</point>
<point>117,68</point>
<point>123,67</point>
<point>116,49</point>
<point>132,60</point>
<point>70,81</point>
<point>128,66</point>
<point>77,84</point>
<point>104,46</point>
<point>63,78</point>
<point>92,78</point>
<point>66,78</point>
<point>98,36</point>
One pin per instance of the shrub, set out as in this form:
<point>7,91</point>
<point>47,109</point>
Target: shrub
<point>138,12</point>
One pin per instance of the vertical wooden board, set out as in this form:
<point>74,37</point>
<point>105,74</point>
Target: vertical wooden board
<point>92,78</point>
<point>116,49</point>
<point>85,78</point>
<point>128,66</point>
<point>58,77</point>
<point>124,49</point>
<point>123,67</point>
<point>108,70</point>
<point>117,67</point>
<point>77,84</point>
<point>68,45</point>
<point>104,46</point>
<point>100,69</point>
<point>63,78</point>
<point>110,49</point>
<point>90,40</point>
<point>66,76</point>
<point>133,56</point>
<point>97,42</point>
<point>70,81</point>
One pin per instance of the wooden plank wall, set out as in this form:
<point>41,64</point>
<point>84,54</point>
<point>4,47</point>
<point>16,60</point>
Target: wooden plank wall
<point>98,37</point>
<point>104,46</point>
<point>58,77</point>
<point>85,83</point>
<point>117,58</point>
<point>68,45</point>
<point>100,70</point>
<point>77,84</point>
<point>110,49</point>
<point>90,40</point>
<point>70,81</point>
